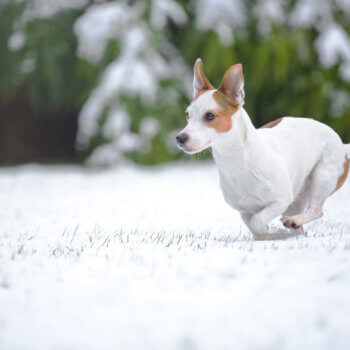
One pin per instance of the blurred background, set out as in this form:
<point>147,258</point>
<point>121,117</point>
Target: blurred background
<point>100,82</point>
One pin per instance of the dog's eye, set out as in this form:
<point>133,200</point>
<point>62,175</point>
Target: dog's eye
<point>187,115</point>
<point>209,116</point>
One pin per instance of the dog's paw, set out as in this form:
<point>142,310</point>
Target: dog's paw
<point>290,223</point>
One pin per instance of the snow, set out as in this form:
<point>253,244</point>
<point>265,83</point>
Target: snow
<point>344,5</point>
<point>222,16</point>
<point>29,62</point>
<point>310,13</point>
<point>98,25</point>
<point>152,258</point>
<point>333,46</point>
<point>340,102</point>
<point>128,74</point>
<point>137,71</point>
<point>149,127</point>
<point>147,57</point>
<point>16,41</point>
<point>117,123</point>
<point>49,8</point>
<point>161,10</point>
<point>269,12</point>
<point>332,43</point>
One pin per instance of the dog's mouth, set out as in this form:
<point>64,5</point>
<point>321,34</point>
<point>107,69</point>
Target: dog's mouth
<point>189,150</point>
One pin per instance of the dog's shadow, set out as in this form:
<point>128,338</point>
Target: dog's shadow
<point>280,234</point>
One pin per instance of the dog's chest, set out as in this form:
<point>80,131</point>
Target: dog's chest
<point>242,188</point>
<point>239,195</point>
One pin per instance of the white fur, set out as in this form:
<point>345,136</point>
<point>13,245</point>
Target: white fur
<point>289,169</point>
<point>347,149</point>
<point>201,137</point>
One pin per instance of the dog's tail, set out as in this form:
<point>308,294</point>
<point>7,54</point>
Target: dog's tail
<point>347,149</point>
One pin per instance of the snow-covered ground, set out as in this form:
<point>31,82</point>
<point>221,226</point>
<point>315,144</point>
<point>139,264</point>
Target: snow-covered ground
<point>152,258</point>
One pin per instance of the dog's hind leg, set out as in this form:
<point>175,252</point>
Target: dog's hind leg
<point>313,212</point>
<point>322,184</point>
<point>300,203</point>
<point>298,206</point>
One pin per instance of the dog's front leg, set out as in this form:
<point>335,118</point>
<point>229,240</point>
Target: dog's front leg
<point>258,223</point>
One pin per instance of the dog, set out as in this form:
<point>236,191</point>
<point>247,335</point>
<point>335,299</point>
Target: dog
<point>288,167</point>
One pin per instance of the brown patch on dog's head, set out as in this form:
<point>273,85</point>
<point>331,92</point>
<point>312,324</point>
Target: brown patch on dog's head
<point>232,85</point>
<point>201,84</point>
<point>343,176</point>
<point>271,124</point>
<point>223,120</point>
<point>229,96</point>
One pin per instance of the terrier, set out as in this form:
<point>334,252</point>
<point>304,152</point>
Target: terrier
<point>288,167</point>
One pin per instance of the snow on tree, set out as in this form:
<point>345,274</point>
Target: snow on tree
<point>137,71</point>
<point>140,67</point>
<point>145,65</point>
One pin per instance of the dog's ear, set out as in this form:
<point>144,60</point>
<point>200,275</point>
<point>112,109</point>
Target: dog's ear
<point>232,85</point>
<point>200,81</point>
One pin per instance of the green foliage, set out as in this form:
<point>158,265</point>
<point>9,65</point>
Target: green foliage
<point>10,77</point>
<point>282,74</point>
<point>168,109</point>
<point>55,80</point>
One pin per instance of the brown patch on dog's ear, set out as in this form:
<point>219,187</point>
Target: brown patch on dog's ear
<point>223,120</point>
<point>232,85</point>
<point>272,124</point>
<point>201,83</point>
<point>343,176</point>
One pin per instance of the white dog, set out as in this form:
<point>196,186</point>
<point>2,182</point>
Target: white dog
<point>289,166</point>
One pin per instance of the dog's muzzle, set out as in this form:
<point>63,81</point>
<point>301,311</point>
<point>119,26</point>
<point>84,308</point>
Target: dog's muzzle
<point>181,139</point>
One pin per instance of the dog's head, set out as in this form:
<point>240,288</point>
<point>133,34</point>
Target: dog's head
<point>211,111</point>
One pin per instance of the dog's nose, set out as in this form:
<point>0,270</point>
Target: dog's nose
<point>181,138</point>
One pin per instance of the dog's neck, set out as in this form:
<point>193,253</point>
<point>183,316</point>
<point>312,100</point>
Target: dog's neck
<point>230,147</point>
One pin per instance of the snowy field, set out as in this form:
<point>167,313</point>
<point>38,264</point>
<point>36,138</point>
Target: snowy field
<point>152,258</point>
